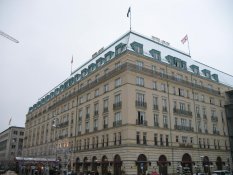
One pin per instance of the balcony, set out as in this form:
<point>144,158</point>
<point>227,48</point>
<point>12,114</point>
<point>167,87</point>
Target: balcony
<point>216,132</point>
<point>141,122</point>
<point>182,112</point>
<point>155,107</point>
<point>214,118</point>
<point>156,124</point>
<point>117,123</point>
<point>185,145</point>
<point>64,124</point>
<point>183,128</point>
<point>141,104</point>
<point>117,106</point>
<point>105,109</point>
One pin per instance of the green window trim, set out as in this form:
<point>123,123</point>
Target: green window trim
<point>137,47</point>
<point>215,77</point>
<point>155,54</point>
<point>207,73</point>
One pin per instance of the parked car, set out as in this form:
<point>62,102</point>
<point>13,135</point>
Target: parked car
<point>221,172</point>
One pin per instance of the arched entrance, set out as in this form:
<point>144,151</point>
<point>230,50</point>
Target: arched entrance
<point>117,163</point>
<point>219,163</point>
<point>85,164</point>
<point>142,164</point>
<point>77,165</point>
<point>163,163</point>
<point>187,164</point>
<point>94,164</point>
<point>104,165</point>
<point>206,164</point>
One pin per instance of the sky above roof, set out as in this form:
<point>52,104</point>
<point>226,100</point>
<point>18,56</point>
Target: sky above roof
<point>50,32</point>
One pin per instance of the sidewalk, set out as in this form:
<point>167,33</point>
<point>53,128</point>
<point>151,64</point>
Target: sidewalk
<point>10,173</point>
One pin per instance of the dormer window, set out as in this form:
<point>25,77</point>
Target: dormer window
<point>92,67</point>
<point>137,47</point>
<point>100,62</point>
<point>195,69</point>
<point>215,77</point>
<point>176,62</point>
<point>77,77</point>
<point>84,72</point>
<point>119,48</point>
<point>155,54</point>
<point>206,73</point>
<point>108,55</point>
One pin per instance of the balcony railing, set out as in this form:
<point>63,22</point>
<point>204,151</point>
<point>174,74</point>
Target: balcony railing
<point>216,132</point>
<point>182,112</point>
<point>185,145</point>
<point>141,122</point>
<point>141,104</point>
<point>183,128</point>
<point>214,118</point>
<point>64,124</point>
<point>117,106</point>
<point>155,107</point>
<point>117,123</point>
<point>131,67</point>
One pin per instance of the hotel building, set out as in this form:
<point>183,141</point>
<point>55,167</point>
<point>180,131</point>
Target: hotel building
<point>136,106</point>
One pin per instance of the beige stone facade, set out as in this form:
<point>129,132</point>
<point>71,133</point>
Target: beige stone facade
<point>133,115</point>
<point>11,144</point>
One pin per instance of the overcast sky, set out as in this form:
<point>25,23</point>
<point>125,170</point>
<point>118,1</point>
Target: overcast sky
<point>50,32</point>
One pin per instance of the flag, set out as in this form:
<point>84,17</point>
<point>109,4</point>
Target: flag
<point>129,11</point>
<point>9,122</point>
<point>184,39</point>
<point>72,60</point>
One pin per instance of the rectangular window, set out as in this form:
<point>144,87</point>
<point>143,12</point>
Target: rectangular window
<point>115,138</point>
<point>144,138</point>
<point>118,82</point>
<point>165,121</point>
<point>106,88</point>
<point>184,139</point>
<point>167,141</point>
<point>177,139</point>
<point>118,116</point>
<point>96,92</point>
<point>156,139</point>
<point>140,97</point>
<point>181,92</point>
<point>139,65</point>
<point>117,98</point>
<point>154,85</point>
<point>164,103</point>
<point>163,87</point>
<point>119,138</point>
<point>138,137</point>
<point>117,65</point>
<point>182,106</point>
<point>139,81</point>
<point>161,139</point>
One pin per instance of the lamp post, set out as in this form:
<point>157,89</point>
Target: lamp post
<point>55,125</point>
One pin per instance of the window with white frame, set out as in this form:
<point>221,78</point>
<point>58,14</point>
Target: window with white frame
<point>117,116</point>
<point>118,98</point>
<point>184,139</point>
<point>154,85</point>
<point>139,81</point>
<point>140,97</point>
<point>139,65</point>
<point>106,88</point>
<point>118,82</point>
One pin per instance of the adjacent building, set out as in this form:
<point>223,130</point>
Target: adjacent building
<point>136,106</point>
<point>11,144</point>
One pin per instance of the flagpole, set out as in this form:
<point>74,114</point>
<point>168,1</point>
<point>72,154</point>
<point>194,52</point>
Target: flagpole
<point>130,19</point>
<point>188,47</point>
<point>71,66</point>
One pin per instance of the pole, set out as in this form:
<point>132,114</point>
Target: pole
<point>188,46</point>
<point>130,20</point>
